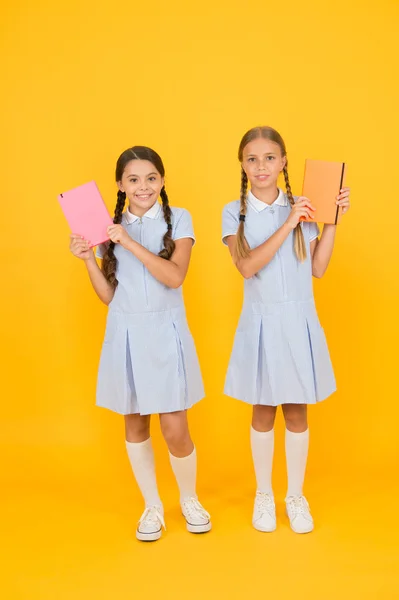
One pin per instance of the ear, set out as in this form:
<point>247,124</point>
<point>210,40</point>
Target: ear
<point>284,162</point>
<point>162,182</point>
<point>120,187</point>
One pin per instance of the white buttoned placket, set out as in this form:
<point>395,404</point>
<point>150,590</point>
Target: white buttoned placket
<point>273,210</point>
<point>276,224</point>
<point>141,226</point>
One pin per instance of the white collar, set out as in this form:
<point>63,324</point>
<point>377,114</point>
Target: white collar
<point>258,205</point>
<point>152,213</point>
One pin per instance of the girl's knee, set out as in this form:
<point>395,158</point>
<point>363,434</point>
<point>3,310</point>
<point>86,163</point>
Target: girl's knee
<point>296,419</point>
<point>175,437</point>
<point>176,434</point>
<point>263,417</point>
<point>137,428</point>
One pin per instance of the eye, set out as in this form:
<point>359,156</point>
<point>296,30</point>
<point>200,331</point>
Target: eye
<point>133,180</point>
<point>251,159</point>
<point>271,157</point>
<point>153,178</point>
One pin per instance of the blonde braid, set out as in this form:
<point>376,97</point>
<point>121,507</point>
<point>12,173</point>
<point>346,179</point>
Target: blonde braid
<point>241,242</point>
<point>299,240</point>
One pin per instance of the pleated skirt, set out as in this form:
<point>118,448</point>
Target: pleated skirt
<point>148,364</point>
<point>280,356</point>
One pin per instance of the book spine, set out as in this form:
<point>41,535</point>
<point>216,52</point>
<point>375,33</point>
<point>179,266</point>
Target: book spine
<point>340,187</point>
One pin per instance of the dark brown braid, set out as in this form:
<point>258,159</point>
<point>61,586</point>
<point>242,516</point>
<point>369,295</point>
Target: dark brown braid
<point>109,261</point>
<point>241,243</point>
<point>169,245</point>
<point>299,240</point>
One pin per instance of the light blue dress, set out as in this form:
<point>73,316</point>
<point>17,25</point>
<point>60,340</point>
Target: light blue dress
<point>148,363</point>
<point>280,354</point>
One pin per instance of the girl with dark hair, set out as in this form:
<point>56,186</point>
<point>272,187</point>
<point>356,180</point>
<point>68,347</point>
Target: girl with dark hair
<point>148,362</point>
<point>280,354</point>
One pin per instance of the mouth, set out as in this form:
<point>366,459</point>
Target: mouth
<point>262,177</point>
<point>143,196</point>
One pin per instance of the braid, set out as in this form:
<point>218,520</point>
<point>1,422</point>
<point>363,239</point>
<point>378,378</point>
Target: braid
<point>169,245</point>
<point>299,240</point>
<point>242,245</point>
<point>109,260</point>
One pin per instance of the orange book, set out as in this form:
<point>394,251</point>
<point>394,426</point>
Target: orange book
<point>321,184</point>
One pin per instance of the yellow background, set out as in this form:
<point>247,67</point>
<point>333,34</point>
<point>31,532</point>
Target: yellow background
<point>81,82</point>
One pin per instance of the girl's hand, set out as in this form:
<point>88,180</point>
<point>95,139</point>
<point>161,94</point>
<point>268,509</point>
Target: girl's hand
<point>119,235</point>
<point>301,209</point>
<point>343,199</point>
<point>80,247</point>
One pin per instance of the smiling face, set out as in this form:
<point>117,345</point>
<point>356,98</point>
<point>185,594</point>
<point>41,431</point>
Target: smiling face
<point>142,183</point>
<point>262,162</point>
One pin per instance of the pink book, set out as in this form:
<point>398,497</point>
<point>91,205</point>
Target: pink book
<point>86,213</point>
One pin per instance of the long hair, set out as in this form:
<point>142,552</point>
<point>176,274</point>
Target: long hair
<point>268,133</point>
<point>109,262</point>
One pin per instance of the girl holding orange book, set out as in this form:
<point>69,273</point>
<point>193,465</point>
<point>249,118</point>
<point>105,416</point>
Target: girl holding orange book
<point>280,354</point>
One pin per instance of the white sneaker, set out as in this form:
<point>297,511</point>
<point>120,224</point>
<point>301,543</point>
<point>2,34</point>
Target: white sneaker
<point>197,519</point>
<point>264,517</point>
<point>299,514</point>
<point>149,528</point>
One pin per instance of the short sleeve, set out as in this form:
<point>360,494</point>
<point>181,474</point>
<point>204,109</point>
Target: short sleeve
<point>230,222</point>
<point>183,227</point>
<point>100,251</point>
<point>314,231</point>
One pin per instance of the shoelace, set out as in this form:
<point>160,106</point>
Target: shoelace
<point>298,505</point>
<point>194,508</point>
<point>152,514</point>
<point>264,502</point>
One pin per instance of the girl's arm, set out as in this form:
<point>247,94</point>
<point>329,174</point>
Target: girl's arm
<point>321,250</point>
<point>80,248</point>
<point>259,257</point>
<point>171,272</point>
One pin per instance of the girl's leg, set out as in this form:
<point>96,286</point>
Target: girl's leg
<point>262,446</point>
<point>183,459</point>
<point>296,447</point>
<point>141,456</point>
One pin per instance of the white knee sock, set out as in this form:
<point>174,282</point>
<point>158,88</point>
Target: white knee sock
<point>141,456</point>
<point>262,445</point>
<point>296,449</point>
<point>185,470</point>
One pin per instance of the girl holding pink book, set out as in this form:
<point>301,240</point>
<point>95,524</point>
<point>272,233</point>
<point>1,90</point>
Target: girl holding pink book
<point>148,363</point>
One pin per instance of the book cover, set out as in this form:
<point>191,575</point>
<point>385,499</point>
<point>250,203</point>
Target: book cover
<point>86,213</point>
<point>321,184</point>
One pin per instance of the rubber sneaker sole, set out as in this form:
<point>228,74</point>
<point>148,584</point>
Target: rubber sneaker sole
<point>148,537</point>
<point>199,528</point>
